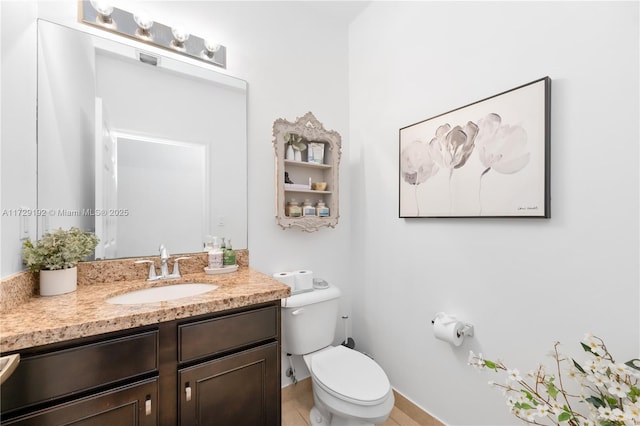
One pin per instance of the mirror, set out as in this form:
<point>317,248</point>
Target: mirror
<point>141,148</point>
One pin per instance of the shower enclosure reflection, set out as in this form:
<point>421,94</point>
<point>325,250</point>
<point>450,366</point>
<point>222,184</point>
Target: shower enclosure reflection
<point>153,167</point>
<point>141,154</point>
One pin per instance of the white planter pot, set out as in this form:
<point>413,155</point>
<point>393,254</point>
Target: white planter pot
<point>60,281</point>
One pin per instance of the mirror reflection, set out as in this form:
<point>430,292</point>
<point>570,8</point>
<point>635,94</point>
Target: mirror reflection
<point>140,151</point>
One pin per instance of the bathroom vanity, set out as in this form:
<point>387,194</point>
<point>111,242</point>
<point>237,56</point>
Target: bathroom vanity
<point>164,363</point>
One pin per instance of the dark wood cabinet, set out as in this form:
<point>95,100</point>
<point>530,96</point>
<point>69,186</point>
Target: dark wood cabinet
<point>216,369</point>
<point>237,390</point>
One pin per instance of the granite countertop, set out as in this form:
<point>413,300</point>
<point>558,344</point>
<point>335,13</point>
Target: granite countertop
<point>85,312</point>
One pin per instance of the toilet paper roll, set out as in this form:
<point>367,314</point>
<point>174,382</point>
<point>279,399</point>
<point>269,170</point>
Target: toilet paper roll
<point>449,330</point>
<point>288,278</point>
<point>303,280</point>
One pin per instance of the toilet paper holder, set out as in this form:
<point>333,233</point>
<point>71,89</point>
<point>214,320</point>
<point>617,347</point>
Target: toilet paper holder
<point>467,329</point>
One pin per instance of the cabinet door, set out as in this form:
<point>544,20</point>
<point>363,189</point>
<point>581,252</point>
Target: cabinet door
<point>134,405</point>
<point>240,389</point>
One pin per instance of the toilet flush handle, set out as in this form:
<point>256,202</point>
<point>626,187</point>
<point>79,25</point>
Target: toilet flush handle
<point>297,311</point>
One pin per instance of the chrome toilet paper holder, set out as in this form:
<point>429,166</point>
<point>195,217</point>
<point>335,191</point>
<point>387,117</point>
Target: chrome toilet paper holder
<point>467,329</point>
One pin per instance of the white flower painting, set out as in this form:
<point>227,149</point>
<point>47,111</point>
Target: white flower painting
<point>486,159</point>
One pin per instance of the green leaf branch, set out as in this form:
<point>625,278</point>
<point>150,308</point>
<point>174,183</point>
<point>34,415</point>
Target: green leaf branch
<point>608,392</point>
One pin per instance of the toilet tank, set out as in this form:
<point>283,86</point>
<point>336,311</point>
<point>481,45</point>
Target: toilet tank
<point>309,320</point>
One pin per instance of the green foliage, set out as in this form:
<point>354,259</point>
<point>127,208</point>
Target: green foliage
<point>551,388</point>
<point>564,416</point>
<point>490,364</point>
<point>59,249</point>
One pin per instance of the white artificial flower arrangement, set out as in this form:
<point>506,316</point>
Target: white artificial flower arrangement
<point>607,393</point>
<point>296,141</point>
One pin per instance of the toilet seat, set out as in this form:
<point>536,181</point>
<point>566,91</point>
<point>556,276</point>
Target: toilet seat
<point>350,376</point>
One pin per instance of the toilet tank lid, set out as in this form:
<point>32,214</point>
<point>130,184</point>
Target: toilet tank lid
<point>311,297</point>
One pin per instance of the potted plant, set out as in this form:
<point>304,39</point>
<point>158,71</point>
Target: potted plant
<point>295,146</point>
<point>55,257</point>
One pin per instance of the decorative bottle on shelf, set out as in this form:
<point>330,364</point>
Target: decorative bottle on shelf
<point>308,209</point>
<point>229,256</point>
<point>290,155</point>
<point>321,209</point>
<point>293,209</point>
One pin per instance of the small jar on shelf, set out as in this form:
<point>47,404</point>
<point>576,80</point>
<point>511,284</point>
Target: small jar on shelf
<point>308,209</point>
<point>321,209</point>
<point>293,209</point>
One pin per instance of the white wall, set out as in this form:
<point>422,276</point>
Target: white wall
<point>523,283</point>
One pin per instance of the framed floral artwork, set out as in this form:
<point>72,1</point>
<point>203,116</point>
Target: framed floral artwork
<point>486,159</point>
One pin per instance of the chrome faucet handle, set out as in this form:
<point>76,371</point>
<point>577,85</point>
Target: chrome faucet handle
<point>152,269</point>
<point>176,268</point>
<point>163,252</point>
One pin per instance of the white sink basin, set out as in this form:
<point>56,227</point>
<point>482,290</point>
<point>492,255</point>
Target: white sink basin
<point>161,294</point>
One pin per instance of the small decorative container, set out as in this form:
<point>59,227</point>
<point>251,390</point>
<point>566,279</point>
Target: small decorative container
<point>319,186</point>
<point>293,209</point>
<point>308,209</point>
<point>321,209</point>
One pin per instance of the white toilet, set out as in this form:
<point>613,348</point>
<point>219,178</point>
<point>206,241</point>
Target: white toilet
<point>349,388</point>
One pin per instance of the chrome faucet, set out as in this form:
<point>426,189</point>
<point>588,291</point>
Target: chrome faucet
<point>164,266</point>
<point>164,261</point>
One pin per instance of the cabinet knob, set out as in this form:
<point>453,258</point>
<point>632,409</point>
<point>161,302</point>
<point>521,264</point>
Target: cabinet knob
<point>147,406</point>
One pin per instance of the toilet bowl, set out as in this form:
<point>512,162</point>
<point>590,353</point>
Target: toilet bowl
<point>349,388</point>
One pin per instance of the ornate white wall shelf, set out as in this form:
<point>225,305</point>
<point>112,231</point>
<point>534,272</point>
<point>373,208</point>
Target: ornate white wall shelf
<point>304,171</point>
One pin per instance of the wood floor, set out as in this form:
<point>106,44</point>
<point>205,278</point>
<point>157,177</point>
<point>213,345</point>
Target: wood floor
<point>297,401</point>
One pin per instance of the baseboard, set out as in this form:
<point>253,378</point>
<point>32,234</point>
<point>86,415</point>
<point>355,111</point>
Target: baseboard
<point>412,410</point>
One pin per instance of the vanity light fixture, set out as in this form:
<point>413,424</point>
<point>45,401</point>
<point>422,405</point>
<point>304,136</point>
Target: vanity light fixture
<point>141,27</point>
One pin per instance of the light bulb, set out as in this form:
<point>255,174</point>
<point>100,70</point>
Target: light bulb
<point>143,21</point>
<point>144,25</point>
<point>104,9</point>
<point>210,49</point>
<point>179,35</point>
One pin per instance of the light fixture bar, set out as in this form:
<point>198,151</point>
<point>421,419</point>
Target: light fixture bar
<point>173,39</point>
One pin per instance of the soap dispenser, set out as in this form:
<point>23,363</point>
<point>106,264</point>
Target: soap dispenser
<point>229,256</point>
<point>216,257</point>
